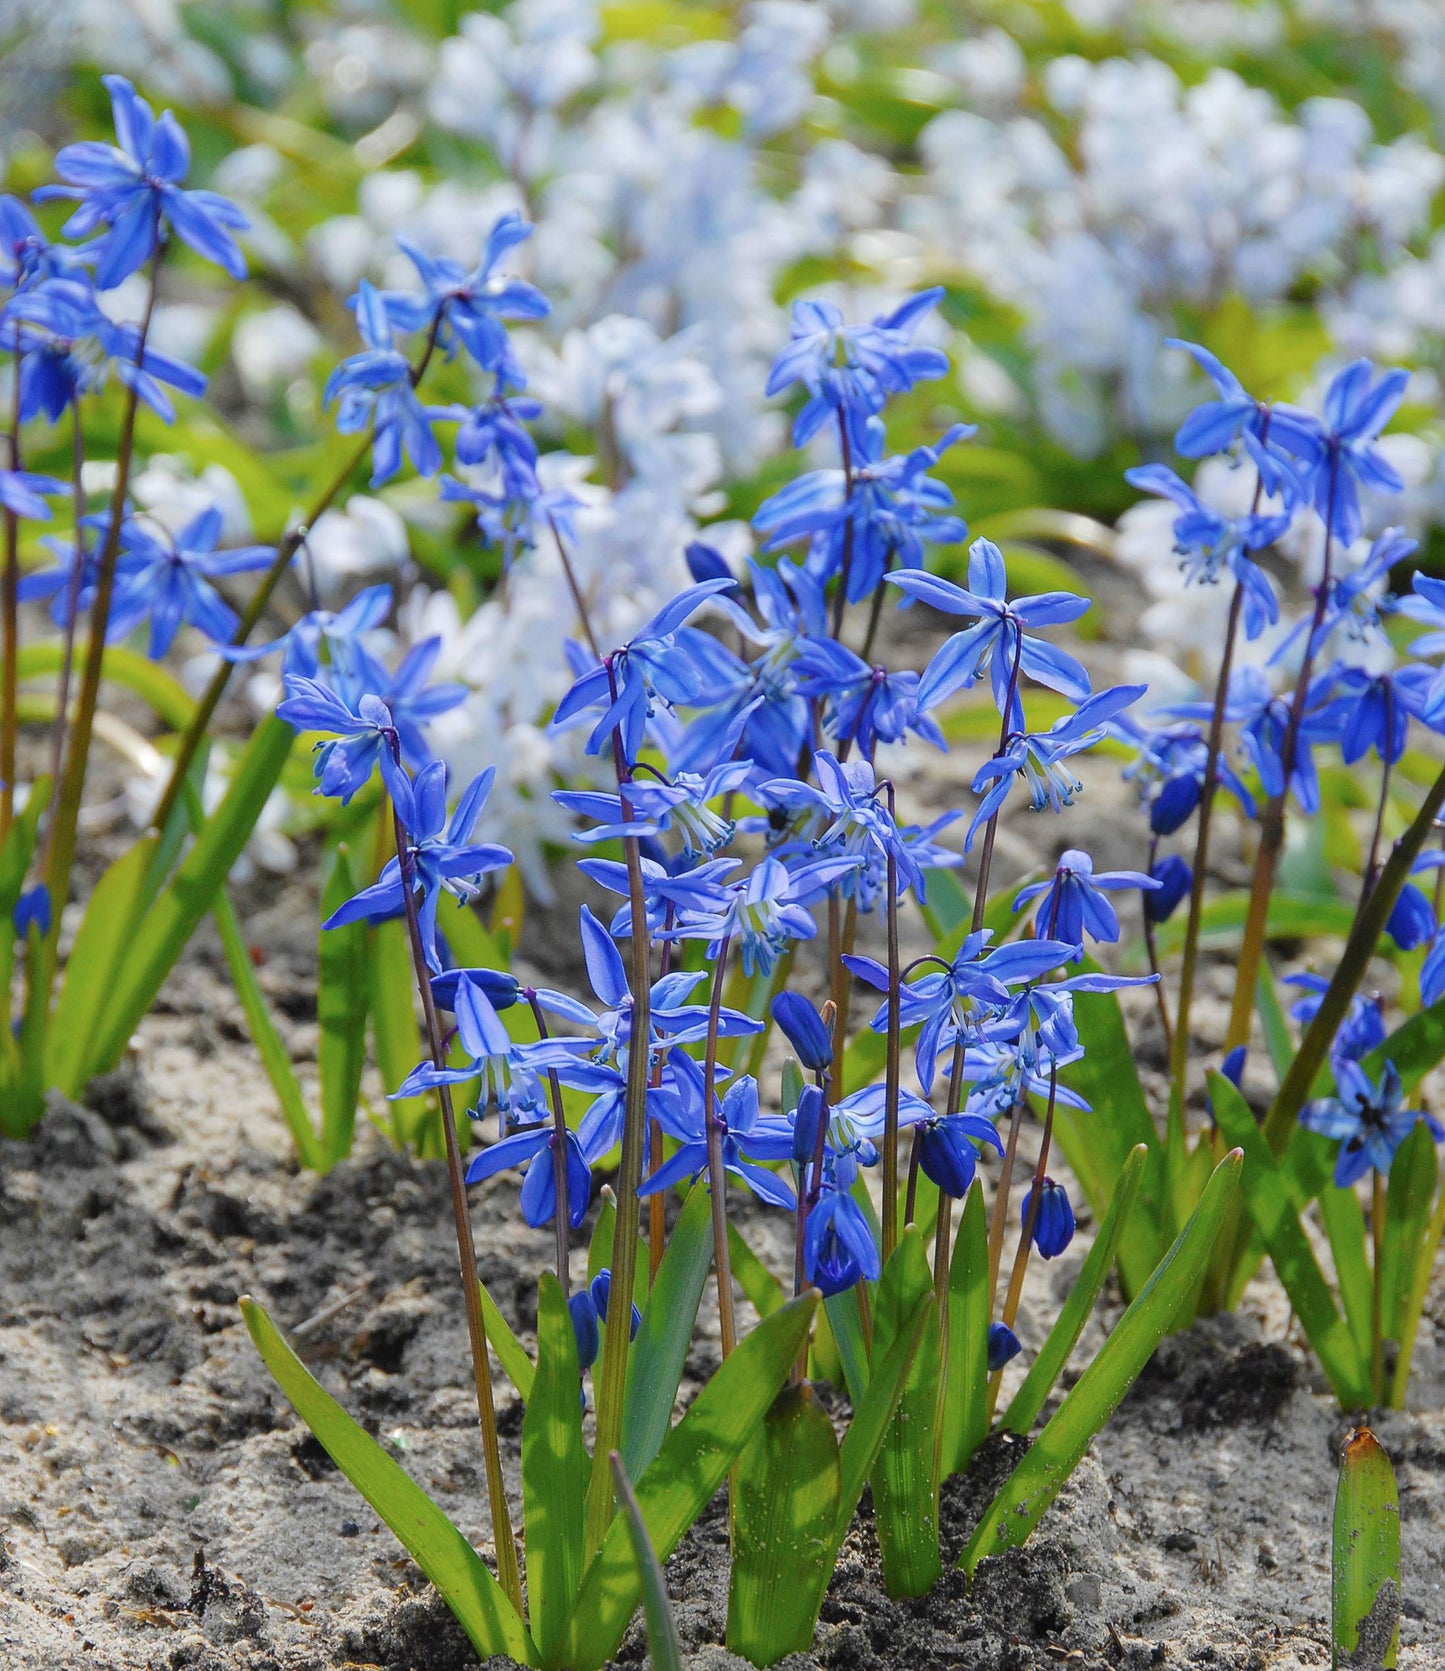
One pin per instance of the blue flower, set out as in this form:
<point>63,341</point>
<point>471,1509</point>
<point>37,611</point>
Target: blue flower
<point>878,518</point>
<point>27,257</point>
<point>468,307</point>
<point>681,805</point>
<point>1352,601</point>
<point>838,1245</point>
<point>440,856</point>
<point>1356,409</point>
<point>1037,757</point>
<point>21,493</point>
<point>1362,1030</point>
<point>600,1288</point>
<point>516,517</point>
<point>1054,1226</point>
<point>1211,544</point>
<point>683,1115</point>
<point>510,1072</point>
<point>1412,919</point>
<point>688,894</point>
<point>652,666</point>
<point>361,737</point>
<point>1001,640</point>
<point>412,703</point>
<point>134,190</point>
<point>865,705</point>
<point>69,346</point>
<point>1270,435</point>
<point>853,369</point>
<point>168,580</point>
<point>857,822</point>
<point>1168,772</point>
<point>376,387</point>
<point>1073,903</point>
<point>1368,1119</point>
<point>535,1149</point>
<point>768,908</point>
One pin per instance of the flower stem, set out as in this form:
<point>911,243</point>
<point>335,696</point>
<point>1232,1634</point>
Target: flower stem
<point>72,610</point>
<point>1272,819</point>
<point>1377,1311</point>
<point>1372,867</point>
<point>502,1539</point>
<point>60,843</point>
<point>990,829</point>
<point>716,1171</point>
<point>840,598</point>
<point>1179,1038</point>
<point>562,1216</point>
<point>999,1221</point>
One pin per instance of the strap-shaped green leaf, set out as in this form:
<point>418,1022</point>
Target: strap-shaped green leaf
<point>439,1549</point>
<point>555,1473</point>
<point>343,1001</point>
<point>785,1499</point>
<point>655,1363</point>
<point>415,1121</point>
<point>664,1648</point>
<point>905,1476</point>
<point>691,1465</point>
<point>845,1325</point>
<point>1344,1222</point>
<point>873,1415</point>
<point>510,1352</point>
<point>177,912</point>
<point>1053,1456</point>
<point>1074,1313</point>
<point>91,969</point>
<point>1097,1144</point>
<point>965,1391</point>
<point>1365,1593</point>
<point>274,1056</point>
<point>764,1291</point>
<point>1407,1212</point>
<point>1267,1196</point>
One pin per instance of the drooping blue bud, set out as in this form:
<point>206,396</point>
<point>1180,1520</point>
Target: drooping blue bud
<point>1412,921</point>
<point>805,1030</point>
<point>584,1325</point>
<point>601,1291</point>
<point>1175,879</point>
<point>502,990</point>
<point>32,910</point>
<point>1003,1344</point>
<point>705,562</point>
<point>1054,1226</point>
<point>806,1123</point>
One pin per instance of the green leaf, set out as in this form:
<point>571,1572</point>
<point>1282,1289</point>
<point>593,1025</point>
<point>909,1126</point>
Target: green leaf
<point>905,1477</point>
<point>1365,1594</point>
<point>845,1324</point>
<point>343,1000</point>
<point>1068,1325</point>
<point>164,931</point>
<point>965,1391</point>
<point>599,1249</point>
<point>1052,1457</point>
<point>415,1121</point>
<point>554,1474</point>
<point>692,1463</point>
<point>93,966</point>
<point>1097,1145</point>
<point>162,691</point>
<point>19,1110</point>
<point>785,1498</point>
<point>764,1291</point>
<point>1344,1223</point>
<point>655,1363</point>
<point>511,1353</point>
<point>491,1622</point>
<point>1266,1193</point>
<point>664,1648</point>
<point>1407,1212</point>
<point>873,1416</point>
<point>274,1055</point>
<point>1292,916</point>
<point>1277,1039</point>
<point>1412,1306</point>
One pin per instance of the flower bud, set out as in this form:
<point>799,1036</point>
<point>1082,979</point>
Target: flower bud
<point>804,1029</point>
<point>601,1291</point>
<point>805,1125</point>
<point>584,1325</point>
<point>1054,1225</point>
<point>1003,1344</point>
<point>1175,879</point>
<point>704,563</point>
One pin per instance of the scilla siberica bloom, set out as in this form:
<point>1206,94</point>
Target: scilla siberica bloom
<point>1072,903</point>
<point>1002,639</point>
<point>376,387</point>
<point>1369,1120</point>
<point>133,189</point>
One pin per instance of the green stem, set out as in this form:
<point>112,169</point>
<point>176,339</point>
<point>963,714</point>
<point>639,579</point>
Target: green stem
<point>563,1216</point>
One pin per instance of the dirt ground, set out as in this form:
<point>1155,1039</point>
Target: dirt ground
<point>161,1506</point>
